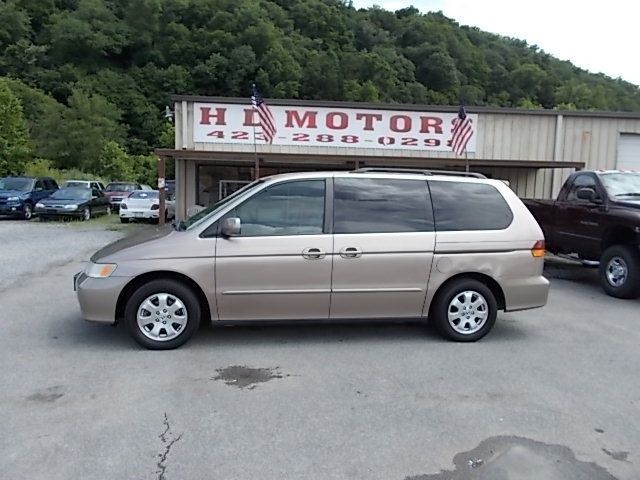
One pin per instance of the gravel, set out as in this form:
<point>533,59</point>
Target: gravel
<point>29,248</point>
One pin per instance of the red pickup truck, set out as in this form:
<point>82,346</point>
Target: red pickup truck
<point>597,218</point>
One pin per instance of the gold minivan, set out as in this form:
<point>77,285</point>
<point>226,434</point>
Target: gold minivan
<point>372,243</point>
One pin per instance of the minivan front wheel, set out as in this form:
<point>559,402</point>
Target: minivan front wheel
<point>162,314</point>
<point>465,310</point>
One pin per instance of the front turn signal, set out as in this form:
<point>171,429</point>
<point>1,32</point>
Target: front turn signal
<point>538,249</point>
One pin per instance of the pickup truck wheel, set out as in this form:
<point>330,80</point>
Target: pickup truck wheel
<point>162,314</point>
<point>620,271</point>
<point>464,311</point>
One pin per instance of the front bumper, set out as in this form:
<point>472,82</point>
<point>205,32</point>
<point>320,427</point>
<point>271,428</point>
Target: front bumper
<point>98,297</point>
<point>11,209</point>
<point>56,212</point>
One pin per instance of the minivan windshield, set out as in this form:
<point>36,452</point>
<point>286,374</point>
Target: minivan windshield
<point>622,184</point>
<point>16,183</point>
<point>195,219</point>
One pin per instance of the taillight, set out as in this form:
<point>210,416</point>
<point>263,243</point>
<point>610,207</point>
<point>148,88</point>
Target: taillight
<point>538,249</point>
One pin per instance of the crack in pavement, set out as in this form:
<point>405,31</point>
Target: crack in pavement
<point>168,444</point>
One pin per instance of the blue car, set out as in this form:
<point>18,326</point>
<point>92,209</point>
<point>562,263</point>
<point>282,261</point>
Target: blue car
<point>18,195</point>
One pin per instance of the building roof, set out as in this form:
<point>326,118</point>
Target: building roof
<point>407,107</point>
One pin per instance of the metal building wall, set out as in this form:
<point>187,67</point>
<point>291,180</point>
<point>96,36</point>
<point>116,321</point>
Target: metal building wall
<point>502,135</point>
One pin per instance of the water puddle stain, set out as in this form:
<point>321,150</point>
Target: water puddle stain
<point>244,377</point>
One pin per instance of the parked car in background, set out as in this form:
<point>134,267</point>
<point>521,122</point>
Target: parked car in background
<point>144,186</point>
<point>82,203</point>
<point>596,217</point>
<point>170,187</point>
<point>94,184</point>
<point>318,246</point>
<point>145,205</point>
<point>116,191</point>
<point>18,195</point>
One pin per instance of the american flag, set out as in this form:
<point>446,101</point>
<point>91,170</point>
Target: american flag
<point>267,122</point>
<point>462,132</point>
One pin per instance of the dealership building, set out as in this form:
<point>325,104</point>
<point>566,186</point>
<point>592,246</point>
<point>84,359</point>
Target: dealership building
<point>219,145</point>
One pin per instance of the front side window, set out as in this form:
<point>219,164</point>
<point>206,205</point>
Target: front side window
<point>291,208</point>
<point>581,181</point>
<point>371,205</point>
<point>462,206</point>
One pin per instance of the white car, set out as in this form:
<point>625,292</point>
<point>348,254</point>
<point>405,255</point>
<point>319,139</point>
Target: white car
<point>84,184</point>
<point>145,205</point>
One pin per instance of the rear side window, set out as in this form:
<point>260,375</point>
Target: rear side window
<point>469,206</point>
<point>369,205</point>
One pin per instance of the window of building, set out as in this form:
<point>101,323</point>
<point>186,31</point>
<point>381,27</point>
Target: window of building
<point>468,206</point>
<point>366,205</point>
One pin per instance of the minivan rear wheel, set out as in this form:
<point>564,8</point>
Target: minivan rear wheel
<point>465,310</point>
<point>162,314</point>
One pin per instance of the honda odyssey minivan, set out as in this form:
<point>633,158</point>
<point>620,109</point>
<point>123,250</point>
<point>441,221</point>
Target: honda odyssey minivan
<point>451,249</point>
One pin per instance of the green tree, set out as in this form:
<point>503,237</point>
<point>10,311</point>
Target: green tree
<point>113,162</point>
<point>15,144</point>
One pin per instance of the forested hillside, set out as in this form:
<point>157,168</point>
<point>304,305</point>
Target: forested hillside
<point>85,82</point>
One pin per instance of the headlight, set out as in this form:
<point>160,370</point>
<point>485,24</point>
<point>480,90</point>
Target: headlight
<point>123,206</point>
<point>13,199</point>
<point>155,206</point>
<point>71,207</point>
<point>39,205</point>
<point>99,270</point>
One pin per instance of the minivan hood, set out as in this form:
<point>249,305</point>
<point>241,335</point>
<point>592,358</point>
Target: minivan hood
<point>137,246</point>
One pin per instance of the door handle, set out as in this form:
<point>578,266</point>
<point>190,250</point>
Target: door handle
<point>313,253</point>
<point>351,252</point>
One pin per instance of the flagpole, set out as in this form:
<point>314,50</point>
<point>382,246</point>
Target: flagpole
<point>256,168</point>
<point>466,161</point>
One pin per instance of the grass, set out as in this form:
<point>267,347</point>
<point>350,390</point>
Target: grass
<point>106,222</point>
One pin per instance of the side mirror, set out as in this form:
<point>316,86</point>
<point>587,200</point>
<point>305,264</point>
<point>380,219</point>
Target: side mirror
<point>588,194</point>
<point>231,227</point>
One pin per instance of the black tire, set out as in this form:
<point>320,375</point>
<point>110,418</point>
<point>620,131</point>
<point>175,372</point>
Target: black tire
<point>86,214</point>
<point>627,257</point>
<point>27,212</point>
<point>438,313</point>
<point>174,288</point>
<point>124,220</point>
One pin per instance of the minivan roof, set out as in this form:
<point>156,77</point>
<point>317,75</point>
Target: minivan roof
<point>419,174</point>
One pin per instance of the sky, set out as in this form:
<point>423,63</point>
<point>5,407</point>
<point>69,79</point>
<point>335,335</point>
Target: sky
<point>595,35</point>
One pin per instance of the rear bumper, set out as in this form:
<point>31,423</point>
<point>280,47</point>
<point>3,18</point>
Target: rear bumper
<point>525,293</point>
<point>147,214</point>
<point>98,297</point>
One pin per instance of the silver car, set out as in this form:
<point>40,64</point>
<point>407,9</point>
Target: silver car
<point>371,243</point>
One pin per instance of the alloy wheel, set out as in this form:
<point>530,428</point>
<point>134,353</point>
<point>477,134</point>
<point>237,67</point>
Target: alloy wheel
<point>617,272</point>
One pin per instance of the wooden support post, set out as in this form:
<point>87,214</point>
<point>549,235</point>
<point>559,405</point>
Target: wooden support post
<point>161,189</point>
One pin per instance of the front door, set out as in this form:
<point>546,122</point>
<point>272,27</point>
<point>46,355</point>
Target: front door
<point>383,247</point>
<point>580,223</point>
<point>279,267</point>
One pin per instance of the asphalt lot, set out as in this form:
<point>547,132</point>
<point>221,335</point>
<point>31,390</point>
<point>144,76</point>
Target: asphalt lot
<point>549,394</point>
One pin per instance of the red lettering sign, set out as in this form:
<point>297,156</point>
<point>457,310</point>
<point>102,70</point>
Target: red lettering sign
<point>368,119</point>
<point>308,120</point>
<point>206,115</point>
<point>331,120</point>
<point>397,120</point>
<point>427,123</point>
